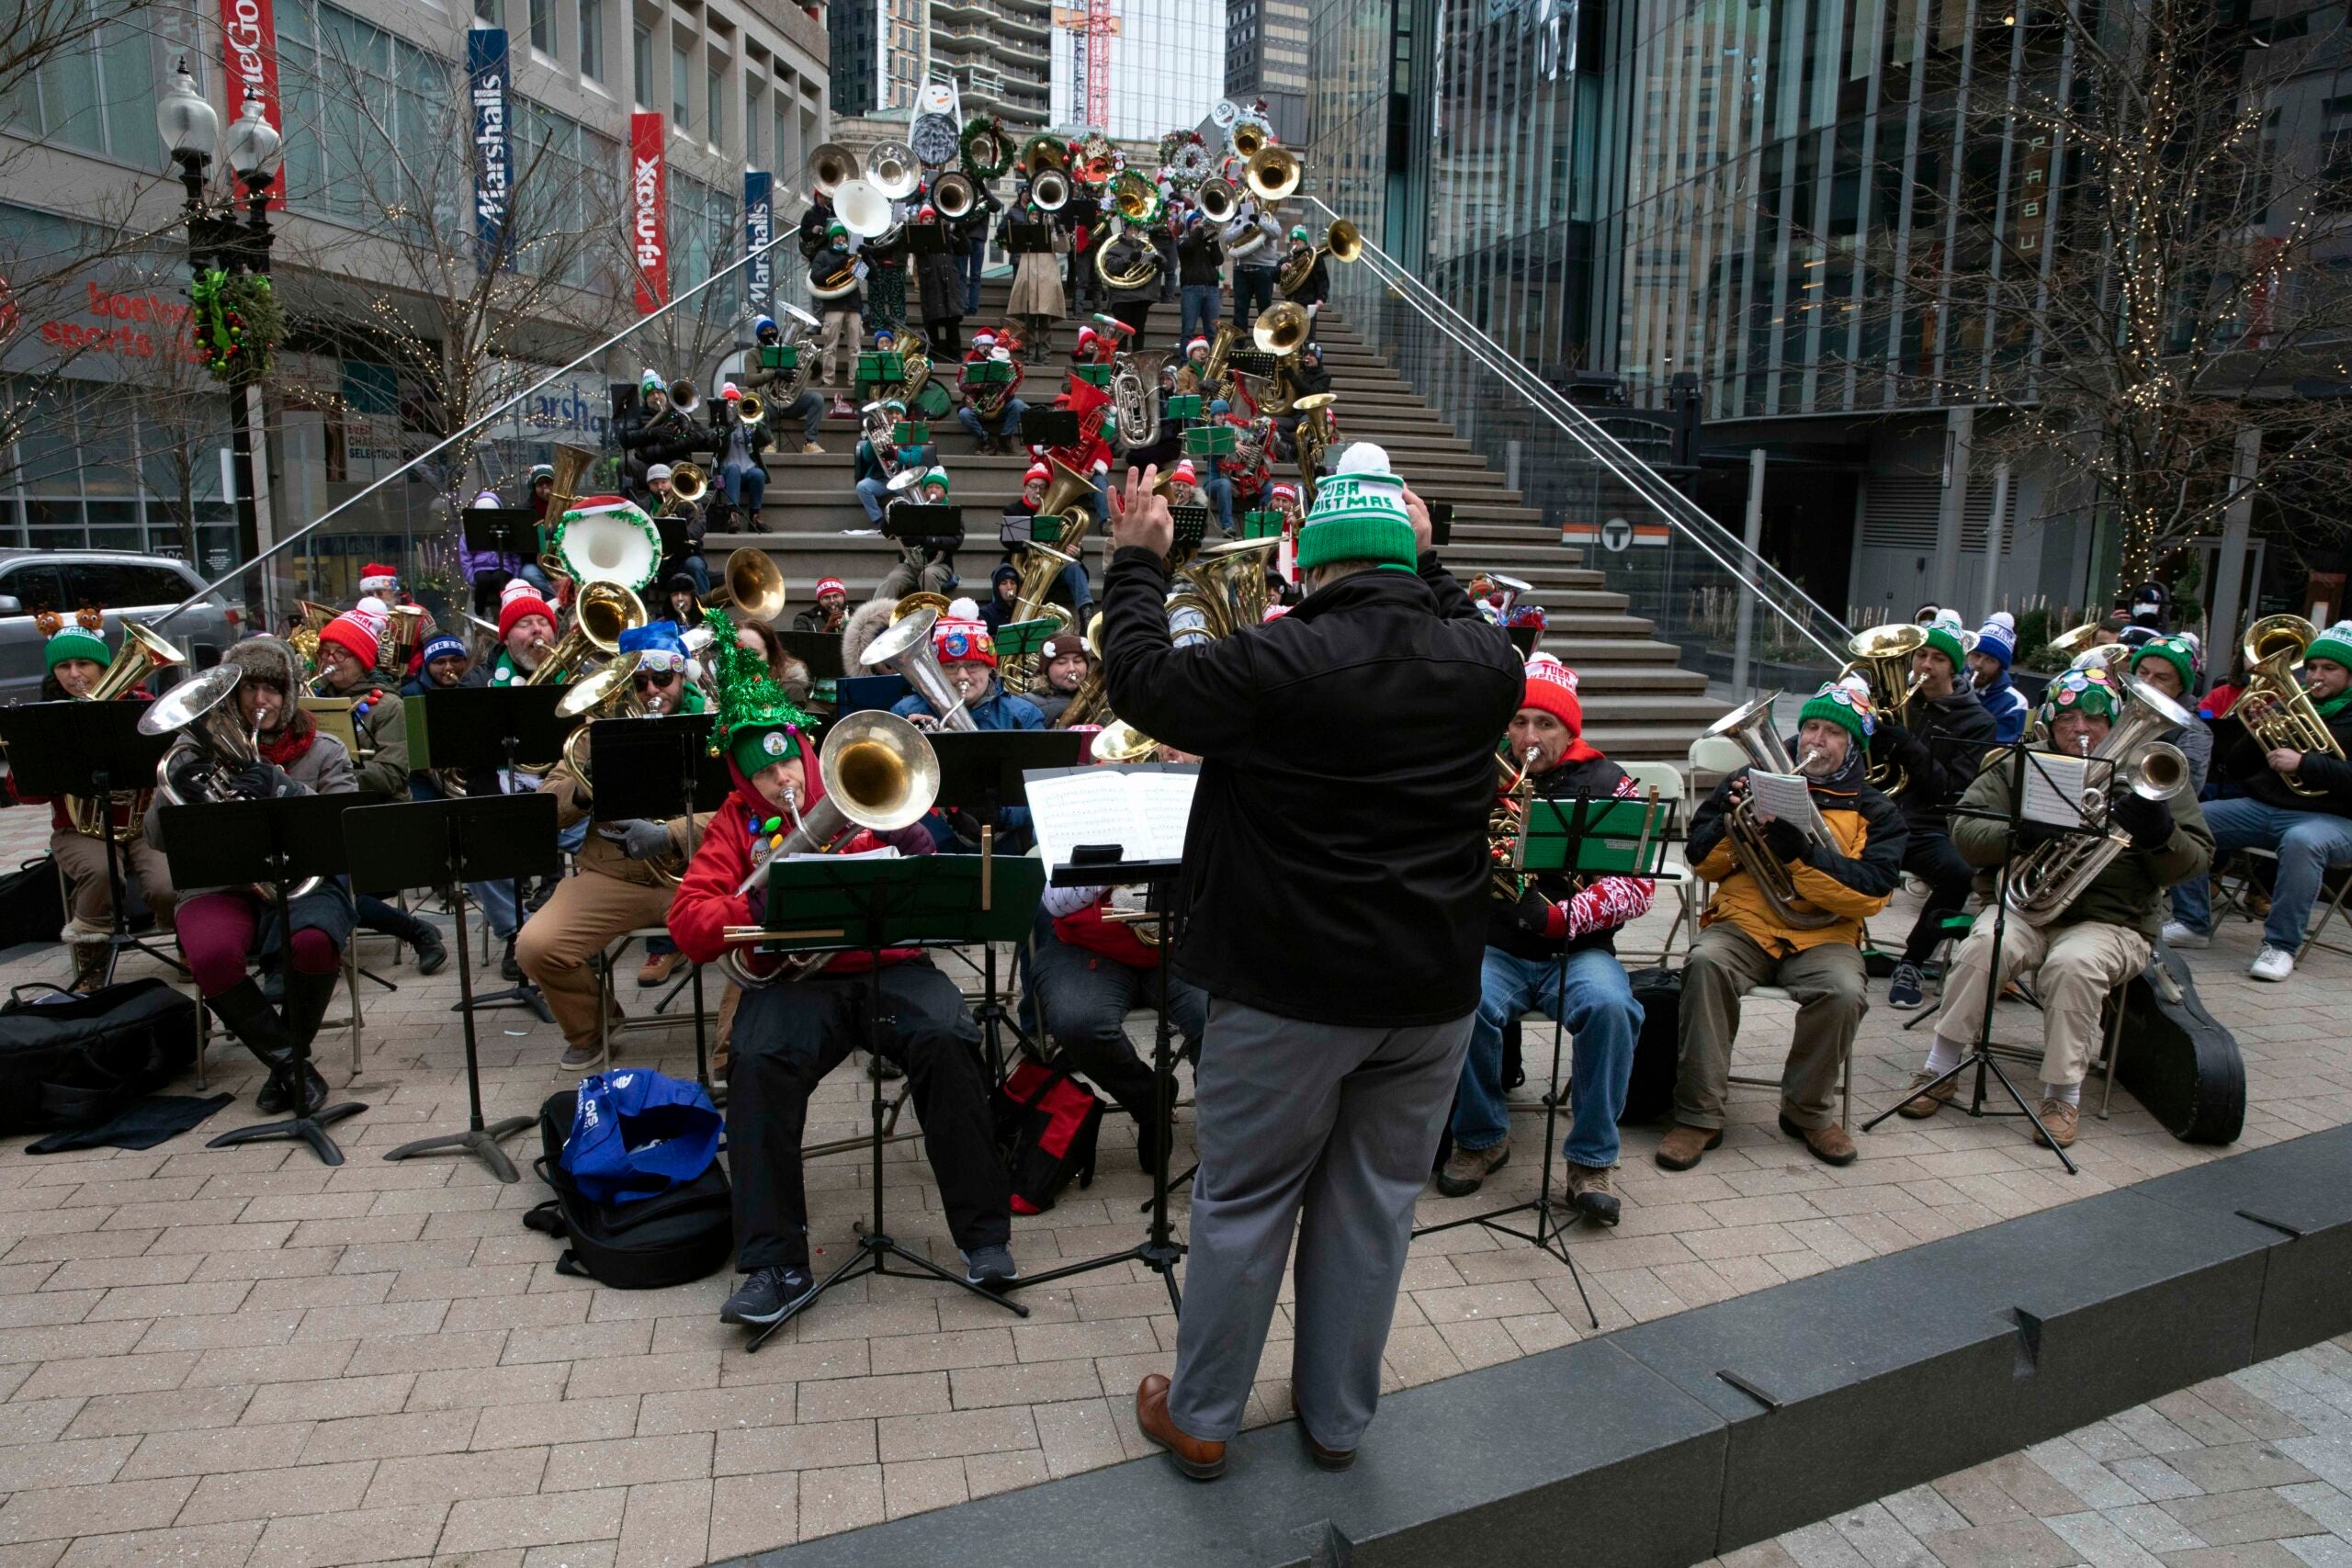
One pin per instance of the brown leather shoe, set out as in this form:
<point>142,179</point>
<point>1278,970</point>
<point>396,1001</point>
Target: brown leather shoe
<point>658,966</point>
<point>1830,1144</point>
<point>1680,1149</point>
<point>1202,1462</point>
<point>2061,1120</point>
<point>1919,1107</point>
<point>1325,1458</point>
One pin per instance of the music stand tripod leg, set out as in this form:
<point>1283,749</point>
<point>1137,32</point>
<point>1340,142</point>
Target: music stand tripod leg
<point>305,1128</point>
<point>477,1140</point>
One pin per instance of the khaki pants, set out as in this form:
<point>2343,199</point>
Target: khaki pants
<point>91,899</point>
<point>587,911</point>
<point>842,335</point>
<point>1829,985</point>
<point>2079,966</point>
<point>902,579</point>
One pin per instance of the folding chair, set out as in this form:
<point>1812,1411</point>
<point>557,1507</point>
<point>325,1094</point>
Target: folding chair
<point>355,1021</point>
<point>1667,779</point>
<point>2234,897</point>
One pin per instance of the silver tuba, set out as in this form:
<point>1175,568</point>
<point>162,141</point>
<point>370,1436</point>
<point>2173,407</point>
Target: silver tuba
<point>2050,876</point>
<point>1750,725</point>
<point>905,649</point>
<point>210,751</point>
<point>1135,391</point>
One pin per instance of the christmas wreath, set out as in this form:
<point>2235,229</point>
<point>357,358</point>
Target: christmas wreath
<point>968,144</point>
<point>236,325</point>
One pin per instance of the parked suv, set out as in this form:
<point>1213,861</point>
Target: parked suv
<point>142,587</point>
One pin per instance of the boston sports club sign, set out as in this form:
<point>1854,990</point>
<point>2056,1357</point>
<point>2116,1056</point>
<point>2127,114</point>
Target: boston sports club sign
<point>648,212</point>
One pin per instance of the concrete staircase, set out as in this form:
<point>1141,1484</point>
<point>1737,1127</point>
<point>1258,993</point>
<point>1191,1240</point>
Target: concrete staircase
<point>1637,702</point>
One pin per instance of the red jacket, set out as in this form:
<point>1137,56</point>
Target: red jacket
<point>706,902</point>
<point>1114,940</point>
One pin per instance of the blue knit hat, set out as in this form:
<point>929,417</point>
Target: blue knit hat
<point>1997,638</point>
<point>443,647</point>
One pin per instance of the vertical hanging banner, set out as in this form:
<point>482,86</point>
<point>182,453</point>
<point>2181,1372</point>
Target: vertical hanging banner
<point>759,227</point>
<point>249,54</point>
<point>486,77</point>
<point>648,212</point>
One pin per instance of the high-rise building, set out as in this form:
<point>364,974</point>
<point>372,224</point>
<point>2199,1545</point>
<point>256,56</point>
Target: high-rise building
<point>1167,65</point>
<point>994,50</point>
<point>1265,61</point>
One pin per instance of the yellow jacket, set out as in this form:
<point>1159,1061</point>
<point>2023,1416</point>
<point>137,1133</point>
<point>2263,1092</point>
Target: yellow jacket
<point>1852,878</point>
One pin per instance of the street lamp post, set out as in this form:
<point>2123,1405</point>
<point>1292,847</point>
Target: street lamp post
<point>217,239</point>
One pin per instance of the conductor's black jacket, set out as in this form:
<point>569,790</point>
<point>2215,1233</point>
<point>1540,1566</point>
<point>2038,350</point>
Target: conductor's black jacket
<point>1335,865</point>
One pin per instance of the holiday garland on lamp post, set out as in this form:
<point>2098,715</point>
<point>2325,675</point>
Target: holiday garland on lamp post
<point>236,325</point>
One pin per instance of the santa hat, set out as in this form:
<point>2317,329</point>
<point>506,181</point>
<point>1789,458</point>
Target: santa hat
<point>1199,343</point>
<point>81,638</point>
<point>358,632</point>
<point>830,585</point>
<point>516,599</point>
<point>376,578</point>
<point>1038,474</point>
<point>963,641</point>
<point>984,340</point>
<point>731,393</point>
<point>1552,686</point>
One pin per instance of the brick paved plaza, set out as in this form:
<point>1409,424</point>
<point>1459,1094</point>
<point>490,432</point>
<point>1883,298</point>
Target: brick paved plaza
<point>221,1358</point>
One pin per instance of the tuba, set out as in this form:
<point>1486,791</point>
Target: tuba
<point>1219,200</point>
<point>1141,273</point>
<point>788,383</point>
<point>209,752</point>
<point>143,653</point>
<point>1280,329</point>
<point>2047,879</point>
<point>1750,725</point>
<point>1273,173</point>
<point>952,195</point>
<point>1088,704</point>
<point>1216,375</point>
<point>1313,437</point>
<point>1049,190</point>
<point>2275,708</point>
<point>1135,389</point>
<point>750,410</point>
<point>878,772</point>
<point>752,585</point>
<point>831,166</point>
<point>1882,656</point>
<point>606,609</point>
<point>905,649</point>
<point>1224,583</point>
<point>891,168</point>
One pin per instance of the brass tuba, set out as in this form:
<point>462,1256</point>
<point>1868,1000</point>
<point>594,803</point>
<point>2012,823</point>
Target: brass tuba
<point>2275,708</point>
<point>1141,273</point>
<point>1342,242</point>
<point>141,654</point>
<point>752,584</point>
<point>1218,200</point>
<point>606,609</point>
<point>2050,877</point>
<point>1750,724</point>
<point>1087,704</point>
<point>831,166</point>
<point>1225,584</point>
<point>1273,173</point>
<point>1882,656</point>
<point>1313,438</point>
<point>1280,330</point>
<point>953,194</point>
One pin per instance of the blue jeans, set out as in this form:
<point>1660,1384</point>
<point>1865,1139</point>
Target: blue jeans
<point>871,494</point>
<point>743,487</point>
<point>1008,424</point>
<point>1218,491</point>
<point>1597,1007</point>
<point>2307,842</point>
<point>1081,594</point>
<point>1253,290</point>
<point>1201,303</point>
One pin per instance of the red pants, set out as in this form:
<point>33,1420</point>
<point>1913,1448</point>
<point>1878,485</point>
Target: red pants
<point>215,933</point>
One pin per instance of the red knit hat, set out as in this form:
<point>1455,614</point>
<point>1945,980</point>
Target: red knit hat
<point>1552,686</point>
<point>1185,474</point>
<point>517,600</point>
<point>830,585</point>
<point>1037,471</point>
<point>959,641</point>
<point>358,632</point>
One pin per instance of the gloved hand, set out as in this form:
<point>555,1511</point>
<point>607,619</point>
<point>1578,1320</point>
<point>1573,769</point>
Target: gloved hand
<point>1784,841</point>
<point>2148,821</point>
<point>1533,912</point>
<point>259,779</point>
<point>638,839</point>
<point>2031,836</point>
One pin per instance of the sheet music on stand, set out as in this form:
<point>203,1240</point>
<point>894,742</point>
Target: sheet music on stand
<point>2054,787</point>
<point>1142,808</point>
<point>1780,795</point>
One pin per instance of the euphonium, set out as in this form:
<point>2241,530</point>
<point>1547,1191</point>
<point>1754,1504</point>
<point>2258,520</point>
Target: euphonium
<point>1225,584</point>
<point>952,195</point>
<point>209,750</point>
<point>2275,708</point>
<point>141,654</point>
<point>1750,724</point>
<point>605,610</point>
<point>2050,877</point>
<point>688,483</point>
<point>752,584</point>
<point>916,361</point>
<point>1280,329</point>
<point>1342,242</point>
<point>304,639</point>
<point>1882,656</point>
<point>905,649</point>
<point>1135,389</point>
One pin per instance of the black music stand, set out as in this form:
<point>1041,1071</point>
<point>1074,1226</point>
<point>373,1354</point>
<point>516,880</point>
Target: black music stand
<point>81,748</point>
<point>1027,239</point>
<point>1981,1056</point>
<point>657,768</point>
<point>834,904</point>
<point>1099,865</point>
<point>485,729</point>
<point>1049,428</point>
<point>502,531</point>
<point>821,651</point>
<point>486,838</point>
<point>981,771</point>
<point>233,843</point>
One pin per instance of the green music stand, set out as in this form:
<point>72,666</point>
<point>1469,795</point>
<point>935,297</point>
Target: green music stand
<point>1593,837</point>
<point>1015,639</point>
<point>1262,525</point>
<point>834,904</point>
<point>1211,440</point>
<point>875,365</point>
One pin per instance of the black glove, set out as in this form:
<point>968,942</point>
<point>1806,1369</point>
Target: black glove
<point>1784,841</point>
<point>1533,912</point>
<point>965,825</point>
<point>2031,836</point>
<point>259,779</point>
<point>2148,821</point>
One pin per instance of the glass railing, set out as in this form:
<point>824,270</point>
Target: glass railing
<point>1730,612</point>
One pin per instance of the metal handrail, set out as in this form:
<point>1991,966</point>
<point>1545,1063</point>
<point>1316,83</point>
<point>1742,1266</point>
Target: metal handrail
<point>246,568</point>
<point>1678,510</point>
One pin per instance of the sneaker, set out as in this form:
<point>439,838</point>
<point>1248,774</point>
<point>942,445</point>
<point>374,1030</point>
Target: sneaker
<point>2272,964</point>
<point>579,1058</point>
<point>1921,1106</point>
<point>2059,1121</point>
<point>991,1268</point>
<point>810,449</point>
<point>1903,990</point>
<point>507,968</point>
<point>1682,1148</point>
<point>432,952</point>
<point>881,1069</point>
<point>1465,1170</point>
<point>2177,935</point>
<point>658,966</point>
<point>1590,1194</point>
<point>766,1295</point>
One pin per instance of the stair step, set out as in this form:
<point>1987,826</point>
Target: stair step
<point>1648,742</point>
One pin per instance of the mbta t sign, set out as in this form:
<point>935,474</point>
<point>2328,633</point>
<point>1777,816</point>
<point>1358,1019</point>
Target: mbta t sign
<point>1616,534</point>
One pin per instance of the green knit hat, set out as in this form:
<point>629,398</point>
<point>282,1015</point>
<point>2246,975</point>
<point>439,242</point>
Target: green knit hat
<point>76,638</point>
<point>761,723</point>
<point>1946,640</point>
<point>2334,645</point>
<point>2174,652</point>
<point>1846,704</point>
<point>2085,690</point>
<point>938,476</point>
<point>1359,515</point>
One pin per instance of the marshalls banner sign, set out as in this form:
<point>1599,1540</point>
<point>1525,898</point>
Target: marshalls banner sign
<point>486,76</point>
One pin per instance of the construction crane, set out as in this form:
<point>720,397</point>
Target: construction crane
<point>1098,64</point>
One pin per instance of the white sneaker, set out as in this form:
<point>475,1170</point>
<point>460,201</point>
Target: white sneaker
<point>2273,964</point>
<point>2179,936</point>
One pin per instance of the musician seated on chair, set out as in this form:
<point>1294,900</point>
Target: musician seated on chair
<point>1522,972</point>
<point>1087,972</point>
<point>1989,670</point>
<point>1062,664</point>
<point>1800,930</point>
<point>788,1036</point>
<point>74,652</point>
<point>348,647</point>
<point>615,886</point>
<point>221,928</point>
<point>2094,941</point>
<point>2309,828</point>
<point>967,657</point>
<point>1938,753</point>
<point>2171,665</point>
<point>1001,439</point>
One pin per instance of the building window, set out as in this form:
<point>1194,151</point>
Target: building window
<point>681,69</point>
<point>592,39</point>
<point>543,26</point>
<point>640,49</point>
<point>714,112</point>
<point>489,11</point>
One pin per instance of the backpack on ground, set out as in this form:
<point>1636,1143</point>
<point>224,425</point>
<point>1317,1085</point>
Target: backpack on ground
<point>68,1062</point>
<point>1046,1124</point>
<point>683,1234</point>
